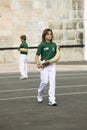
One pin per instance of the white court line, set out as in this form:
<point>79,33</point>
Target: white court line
<point>30,89</point>
<point>16,90</point>
<point>26,97</point>
<point>7,77</point>
<point>57,78</point>
<point>73,74</point>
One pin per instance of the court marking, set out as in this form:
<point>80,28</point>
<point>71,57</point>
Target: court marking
<point>37,75</point>
<point>31,89</point>
<point>26,97</point>
<point>82,75</point>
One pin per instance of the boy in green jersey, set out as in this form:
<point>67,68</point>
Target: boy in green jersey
<point>23,48</point>
<point>47,50</point>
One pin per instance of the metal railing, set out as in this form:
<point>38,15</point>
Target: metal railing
<point>35,47</point>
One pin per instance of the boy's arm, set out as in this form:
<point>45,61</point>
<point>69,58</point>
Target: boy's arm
<point>22,48</point>
<point>37,61</point>
<point>19,47</point>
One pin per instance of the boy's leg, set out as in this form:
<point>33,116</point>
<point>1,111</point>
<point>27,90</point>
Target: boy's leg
<point>51,92</point>
<point>44,82</point>
<point>25,67</point>
<point>21,65</point>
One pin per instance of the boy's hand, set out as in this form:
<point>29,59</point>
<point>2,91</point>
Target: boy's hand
<point>58,47</point>
<point>46,63</point>
<point>38,65</point>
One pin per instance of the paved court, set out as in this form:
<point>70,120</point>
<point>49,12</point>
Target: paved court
<point>19,109</point>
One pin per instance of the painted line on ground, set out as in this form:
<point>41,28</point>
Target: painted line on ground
<point>27,97</point>
<point>37,75</point>
<point>38,78</point>
<point>31,89</point>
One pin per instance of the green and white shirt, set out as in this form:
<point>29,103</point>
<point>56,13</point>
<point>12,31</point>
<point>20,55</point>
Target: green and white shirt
<point>46,50</point>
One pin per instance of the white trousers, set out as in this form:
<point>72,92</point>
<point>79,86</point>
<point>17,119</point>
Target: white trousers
<point>47,75</point>
<point>23,65</point>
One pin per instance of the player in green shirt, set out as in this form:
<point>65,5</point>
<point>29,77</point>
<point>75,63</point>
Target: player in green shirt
<point>23,48</point>
<point>47,50</point>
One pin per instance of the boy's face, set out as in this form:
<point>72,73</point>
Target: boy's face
<point>21,40</point>
<point>49,36</point>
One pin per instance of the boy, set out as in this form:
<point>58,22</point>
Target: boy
<point>23,48</point>
<point>47,50</point>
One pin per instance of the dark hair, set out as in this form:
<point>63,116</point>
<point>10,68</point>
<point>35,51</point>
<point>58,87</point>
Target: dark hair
<point>45,32</point>
<point>23,37</point>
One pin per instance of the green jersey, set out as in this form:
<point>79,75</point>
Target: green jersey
<point>46,50</point>
<point>25,46</point>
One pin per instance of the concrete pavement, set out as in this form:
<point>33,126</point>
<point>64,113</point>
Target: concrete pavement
<point>19,109</point>
<point>61,66</point>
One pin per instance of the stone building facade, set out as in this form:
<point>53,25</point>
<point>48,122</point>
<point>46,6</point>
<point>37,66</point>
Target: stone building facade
<point>31,17</point>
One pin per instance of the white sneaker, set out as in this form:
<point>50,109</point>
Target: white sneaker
<point>52,103</point>
<point>21,77</point>
<point>39,99</point>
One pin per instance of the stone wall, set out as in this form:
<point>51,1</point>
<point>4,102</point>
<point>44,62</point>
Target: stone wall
<point>31,17</point>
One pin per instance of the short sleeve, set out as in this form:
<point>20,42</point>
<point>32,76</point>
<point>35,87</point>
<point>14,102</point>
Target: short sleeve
<point>39,49</point>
